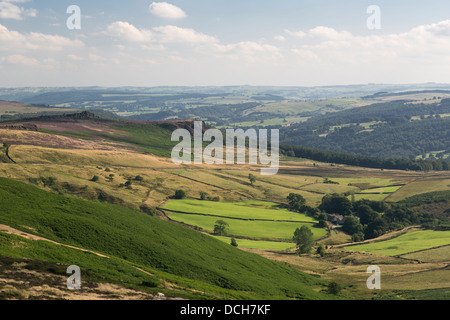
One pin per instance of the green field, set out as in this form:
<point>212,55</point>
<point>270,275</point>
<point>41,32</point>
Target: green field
<point>406,243</point>
<point>369,196</point>
<point>247,210</point>
<point>382,190</point>
<point>441,254</point>
<point>419,187</point>
<point>258,221</point>
<point>264,245</point>
<point>263,230</point>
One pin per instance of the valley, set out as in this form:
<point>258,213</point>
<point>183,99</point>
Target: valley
<point>101,193</point>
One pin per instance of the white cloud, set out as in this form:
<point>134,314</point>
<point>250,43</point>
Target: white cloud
<point>128,32</point>
<point>16,41</point>
<point>163,34</point>
<point>297,34</point>
<point>96,58</point>
<point>169,38</point>
<point>419,54</point>
<point>426,38</point>
<point>441,28</point>
<point>173,34</point>
<point>20,59</point>
<point>8,10</point>
<point>169,53</point>
<point>166,10</point>
<point>74,57</point>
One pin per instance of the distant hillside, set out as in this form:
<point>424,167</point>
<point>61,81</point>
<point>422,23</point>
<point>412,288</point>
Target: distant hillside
<point>16,110</point>
<point>396,129</point>
<point>148,137</point>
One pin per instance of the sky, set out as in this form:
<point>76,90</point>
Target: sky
<point>215,42</point>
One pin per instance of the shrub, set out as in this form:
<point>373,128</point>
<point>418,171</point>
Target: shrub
<point>322,223</point>
<point>180,194</point>
<point>220,228</point>
<point>334,288</point>
<point>48,182</point>
<point>148,210</point>
<point>128,184</point>
<point>304,239</point>
<point>321,250</point>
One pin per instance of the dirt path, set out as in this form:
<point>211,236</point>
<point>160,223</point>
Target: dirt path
<point>10,230</point>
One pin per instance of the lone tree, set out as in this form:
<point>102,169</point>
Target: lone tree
<point>334,288</point>
<point>336,203</point>
<point>203,195</point>
<point>295,202</point>
<point>180,194</point>
<point>233,242</point>
<point>252,179</point>
<point>128,184</point>
<point>304,239</point>
<point>220,228</point>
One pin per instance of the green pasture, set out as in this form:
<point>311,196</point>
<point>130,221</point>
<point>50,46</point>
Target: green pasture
<point>390,189</point>
<point>258,244</point>
<point>242,210</point>
<point>406,243</point>
<point>258,230</point>
<point>369,196</point>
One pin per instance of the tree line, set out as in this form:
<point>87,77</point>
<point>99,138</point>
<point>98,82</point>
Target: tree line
<point>362,160</point>
<point>363,219</point>
<point>390,130</point>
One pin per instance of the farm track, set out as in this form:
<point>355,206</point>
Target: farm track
<point>29,236</point>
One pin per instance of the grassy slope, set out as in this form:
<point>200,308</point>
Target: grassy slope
<point>242,210</point>
<point>147,137</point>
<point>406,243</point>
<point>266,230</point>
<point>149,242</point>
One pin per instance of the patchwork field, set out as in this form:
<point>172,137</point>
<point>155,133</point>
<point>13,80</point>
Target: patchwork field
<point>13,108</point>
<point>259,244</point>
<point>245,210</point>
<point>407,243</point>
<point>255,230</point>
<point>249,220</point>
<point>130,172</point>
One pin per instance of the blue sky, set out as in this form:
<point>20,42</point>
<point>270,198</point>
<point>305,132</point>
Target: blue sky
<point>211,42</point>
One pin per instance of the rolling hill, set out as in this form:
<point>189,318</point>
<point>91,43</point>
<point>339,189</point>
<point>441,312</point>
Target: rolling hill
<point>136,239</point>
<point>394,129</point>
<point>76,189</point>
